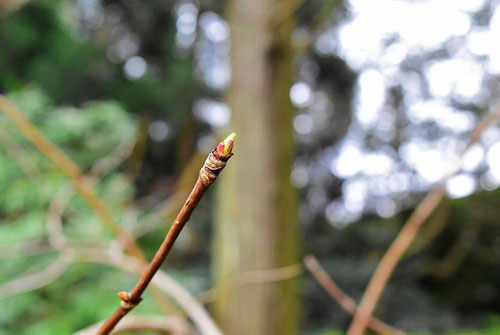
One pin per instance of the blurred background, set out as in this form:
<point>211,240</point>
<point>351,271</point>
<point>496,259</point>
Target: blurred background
<point>347,113</point>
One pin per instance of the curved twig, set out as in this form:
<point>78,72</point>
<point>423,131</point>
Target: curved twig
<point>36,280</point>
<point>406,236</point>
<point>251,277</point>
<point>346,302</point>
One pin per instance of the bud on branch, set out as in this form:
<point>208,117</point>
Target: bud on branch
<point>215,162</point>
<point>225,147</point>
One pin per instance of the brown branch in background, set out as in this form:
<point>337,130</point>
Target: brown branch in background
<point>346,302</point>
<point>216,161</point>
<point>251,277</point>
<point>405,237</point>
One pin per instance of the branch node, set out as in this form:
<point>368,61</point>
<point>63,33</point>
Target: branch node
<point>124,296</point>
<point>212,167</point>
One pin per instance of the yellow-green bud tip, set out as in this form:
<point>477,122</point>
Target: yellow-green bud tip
<point>225,147</point>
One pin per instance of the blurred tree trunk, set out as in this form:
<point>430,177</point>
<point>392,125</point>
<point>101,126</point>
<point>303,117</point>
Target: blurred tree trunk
<point>255,219</point>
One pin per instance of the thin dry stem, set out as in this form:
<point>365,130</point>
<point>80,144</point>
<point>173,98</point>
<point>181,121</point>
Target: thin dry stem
<point>404,239</point>
<point>346,302</point>
<point>208,174</point>
<point>248,278</point>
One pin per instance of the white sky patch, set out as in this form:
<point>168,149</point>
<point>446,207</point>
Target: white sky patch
<point>466,5</point>
<point>461,185</point>
<point>386,207</point>
<point>219,76</point>
<point>399,182</point>
<point>348,161</point>
<point>459,77</point>
<point>473,158</point>
<point>354,194</point>
<point>338,215</point>
<point>493,159</point>
<point>488,181</point>
<point>494,50</point>
<point>303,124</point>
<point>135,67</point>
<point>420,25</point>
<point>215,113</point>
<point>394,54</point>
<point>431,163</point>
<point>186,19</point>
<point>158,130</point>
<point>445,115</point>
<point>490,136</point>
<point>370,96</point>
<point>299,176</point>
<point>377,163</point>
<point>301,94</point>
<point>479,42</point>
<point>214,27</point>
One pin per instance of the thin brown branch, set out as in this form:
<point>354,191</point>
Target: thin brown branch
<point>346,302</point>
<point>251,277</point>
<point>161,280</point>
<point>405,238</point>
<point>208,174</point>
<point>155,323</point>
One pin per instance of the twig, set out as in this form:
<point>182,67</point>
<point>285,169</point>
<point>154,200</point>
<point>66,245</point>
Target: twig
<point>157,323</point>
<point>215,162</point>
<point>251,277</point>
<point>405,237</point>
<point>161,280</point>
<point>86,190</point>
<point>36,280</point>
<point>346,302</point>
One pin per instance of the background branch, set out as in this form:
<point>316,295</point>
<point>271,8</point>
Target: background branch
<point>155,323</point>
<point>406,236</point>
<point>248,278</point>
<point>346,302</point>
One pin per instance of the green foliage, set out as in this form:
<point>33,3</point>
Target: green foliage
<point>86,134</point>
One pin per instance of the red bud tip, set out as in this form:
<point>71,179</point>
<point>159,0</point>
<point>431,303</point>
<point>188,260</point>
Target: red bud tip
<point>225,147</point>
